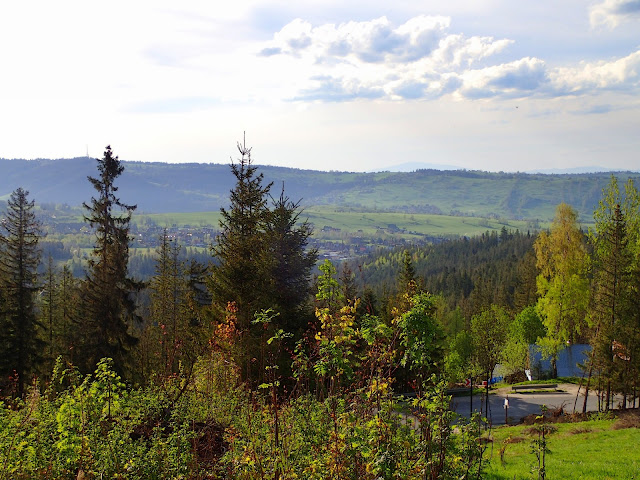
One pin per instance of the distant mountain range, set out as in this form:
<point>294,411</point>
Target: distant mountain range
<point>192,187</point>
<point>562,171</point>
<point>413,166</point>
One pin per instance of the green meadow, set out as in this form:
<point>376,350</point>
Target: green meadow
<point>595,449</point>
<point>365,223</point>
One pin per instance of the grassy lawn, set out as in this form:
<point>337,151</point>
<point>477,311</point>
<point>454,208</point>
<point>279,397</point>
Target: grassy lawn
<point>595,449</point>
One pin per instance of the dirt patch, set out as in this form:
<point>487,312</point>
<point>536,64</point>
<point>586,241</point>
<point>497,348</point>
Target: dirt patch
<point>579,430</point>
<point>627,419</point>
<point>510,440</point>
<point>208,443</point>
<point>538,429</point>
<point>555,416</point>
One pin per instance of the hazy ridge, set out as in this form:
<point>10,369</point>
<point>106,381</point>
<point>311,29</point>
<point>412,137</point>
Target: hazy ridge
<point>192,187</point>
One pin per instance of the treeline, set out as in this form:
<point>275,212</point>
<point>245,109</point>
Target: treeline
<point>469,273</point>
<point>262,262</point>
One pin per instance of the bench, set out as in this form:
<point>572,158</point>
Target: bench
<point>534,386</point>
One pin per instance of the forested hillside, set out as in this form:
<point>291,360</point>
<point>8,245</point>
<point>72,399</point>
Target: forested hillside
<point>470,273</point>
<point>190,187</point>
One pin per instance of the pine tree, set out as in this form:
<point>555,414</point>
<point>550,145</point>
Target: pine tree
<point>19,259</point>
<point>107,293</point>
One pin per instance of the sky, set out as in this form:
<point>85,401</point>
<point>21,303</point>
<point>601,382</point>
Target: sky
<point>492,85</point>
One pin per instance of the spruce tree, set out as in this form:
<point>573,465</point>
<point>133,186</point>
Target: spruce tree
<point>57,309</point>
<point>407,280</point>
<point>49,314</point>
<point>290,264</point>
<point>107,293</point>
<point>240,247</point>
<point>262,263</point>
<point>20,342</point>
<point>613,294</point>
<point>68,302</point>
<point>241,276</point>
<point>170,307</point>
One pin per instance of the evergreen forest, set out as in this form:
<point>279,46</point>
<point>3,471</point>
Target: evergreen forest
<point>258,359</point>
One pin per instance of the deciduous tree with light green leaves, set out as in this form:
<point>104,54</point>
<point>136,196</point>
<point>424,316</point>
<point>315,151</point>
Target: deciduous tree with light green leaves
<point>489,334</point>
<point>563,285</point>
<point>524,330</point>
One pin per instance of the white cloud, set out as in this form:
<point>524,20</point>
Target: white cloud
<point>519,78</point>
<point>421,59</point>
<point>531,77</point>
<point>611,13</point>
<point>373,59</point>
<point>620,75</point>
<point>458,50</point>
<point>378,41</point>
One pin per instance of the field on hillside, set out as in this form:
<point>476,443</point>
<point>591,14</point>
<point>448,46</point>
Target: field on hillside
<point>193,219</point>
<point>331,223</point>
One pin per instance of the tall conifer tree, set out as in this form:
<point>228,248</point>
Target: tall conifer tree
<point>289,264</point>
<point>19,259</point>
<point>170,306</point>
<point>240,247</point>
<point>241,276</point>
<point>107,293</point>
<point>614,246</point>
<point>262,263</point>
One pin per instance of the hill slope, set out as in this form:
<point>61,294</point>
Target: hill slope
<point>161,187</point>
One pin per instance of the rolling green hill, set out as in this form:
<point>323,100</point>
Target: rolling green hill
<point>162,188</point>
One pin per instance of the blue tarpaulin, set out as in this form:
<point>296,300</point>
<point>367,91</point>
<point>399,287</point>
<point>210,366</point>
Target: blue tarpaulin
<point>568,361</point>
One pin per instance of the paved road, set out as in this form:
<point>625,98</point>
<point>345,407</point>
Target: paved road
<point>522,404</point>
